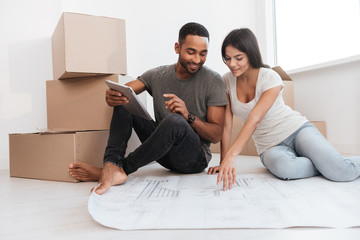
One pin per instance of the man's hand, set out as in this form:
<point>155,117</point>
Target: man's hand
<point>213,170</point>
<point>115,98</point>
<point>176,105</point>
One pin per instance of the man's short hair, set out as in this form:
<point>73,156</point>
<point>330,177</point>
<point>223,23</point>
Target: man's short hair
<point>192,28</point>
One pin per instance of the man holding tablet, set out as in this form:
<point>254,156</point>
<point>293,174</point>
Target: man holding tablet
<point>189,105</point>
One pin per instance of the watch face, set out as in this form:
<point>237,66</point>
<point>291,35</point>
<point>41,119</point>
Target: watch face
<point>191,118</point>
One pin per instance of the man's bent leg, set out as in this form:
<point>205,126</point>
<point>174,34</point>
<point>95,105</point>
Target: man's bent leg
<point>120,132</point>
<point>174,144</point>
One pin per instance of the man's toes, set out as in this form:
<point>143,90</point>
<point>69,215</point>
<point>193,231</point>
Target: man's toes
<point>102,187</point>
<point>75,165</point>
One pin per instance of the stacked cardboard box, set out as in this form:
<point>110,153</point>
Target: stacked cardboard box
<point>87,50</point>
<point>288,96</point>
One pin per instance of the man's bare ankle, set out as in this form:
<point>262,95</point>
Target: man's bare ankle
<point>112,165</point>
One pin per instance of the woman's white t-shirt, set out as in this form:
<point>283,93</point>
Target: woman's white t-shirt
<point>278,123</point>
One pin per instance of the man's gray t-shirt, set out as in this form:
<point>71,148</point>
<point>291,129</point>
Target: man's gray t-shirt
<point>205,88</point>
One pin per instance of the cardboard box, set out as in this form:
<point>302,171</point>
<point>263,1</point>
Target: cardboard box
<point>47,155</point>
<point>85,45</point>
<point>78,104</point>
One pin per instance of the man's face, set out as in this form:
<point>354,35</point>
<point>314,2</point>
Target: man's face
<point>192,53</point>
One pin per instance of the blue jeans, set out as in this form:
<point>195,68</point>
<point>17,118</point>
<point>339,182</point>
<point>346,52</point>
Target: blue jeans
<point>173,143</point>
<point>307,153</point>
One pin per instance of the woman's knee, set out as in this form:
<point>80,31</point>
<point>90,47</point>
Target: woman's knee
<point>344,171</point>
<point>280,163</point>
<point>281,169</point>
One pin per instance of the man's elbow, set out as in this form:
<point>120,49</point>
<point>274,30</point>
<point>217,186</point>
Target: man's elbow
<point>217,137</point>
<point>215,140</point>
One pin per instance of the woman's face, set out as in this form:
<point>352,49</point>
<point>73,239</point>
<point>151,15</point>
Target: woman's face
<point>237,61</point>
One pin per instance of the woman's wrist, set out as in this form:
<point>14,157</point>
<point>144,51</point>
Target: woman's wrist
<point>231,154</point>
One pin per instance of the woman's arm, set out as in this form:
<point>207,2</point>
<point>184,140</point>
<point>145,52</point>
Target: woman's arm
<point>226,137</point>
<point>227,167</point>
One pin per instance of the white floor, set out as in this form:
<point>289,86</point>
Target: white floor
<point>33,209</point>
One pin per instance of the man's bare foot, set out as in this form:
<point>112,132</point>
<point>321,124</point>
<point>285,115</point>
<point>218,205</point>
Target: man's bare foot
<point>111,175</point>
<point>84,172</point>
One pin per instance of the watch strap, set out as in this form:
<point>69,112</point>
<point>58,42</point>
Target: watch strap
<point>191,118</point>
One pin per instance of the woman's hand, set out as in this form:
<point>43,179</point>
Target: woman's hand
<point>227,173</point>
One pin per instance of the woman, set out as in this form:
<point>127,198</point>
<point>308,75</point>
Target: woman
<point>289,146</point>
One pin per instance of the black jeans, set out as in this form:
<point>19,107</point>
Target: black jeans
<point>173,143</point>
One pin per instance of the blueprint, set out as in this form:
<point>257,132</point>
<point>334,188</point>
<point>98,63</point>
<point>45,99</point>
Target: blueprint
<point>256,201</point>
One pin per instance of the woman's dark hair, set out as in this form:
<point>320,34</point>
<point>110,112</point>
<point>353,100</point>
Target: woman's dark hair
<point>245,41</point>
<point>193,28</point>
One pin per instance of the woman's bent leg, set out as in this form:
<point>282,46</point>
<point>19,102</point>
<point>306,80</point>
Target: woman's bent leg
<point>283,162</point>
<point>331,164</point>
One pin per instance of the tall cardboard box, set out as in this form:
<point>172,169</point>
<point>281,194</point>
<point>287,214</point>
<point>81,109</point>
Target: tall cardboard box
<point>86,45</point>
<point>288,96</point>
<point>78,103</point>
<point>47,155</point>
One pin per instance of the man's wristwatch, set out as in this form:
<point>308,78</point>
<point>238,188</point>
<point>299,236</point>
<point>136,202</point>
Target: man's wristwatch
<point>191,118</point>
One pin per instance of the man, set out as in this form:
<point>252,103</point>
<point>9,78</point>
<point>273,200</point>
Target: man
<point>189,105</point>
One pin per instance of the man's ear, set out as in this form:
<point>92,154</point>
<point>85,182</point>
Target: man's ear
<point>177,48</point>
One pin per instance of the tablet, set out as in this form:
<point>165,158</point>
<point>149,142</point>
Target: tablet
<point>134,106</point>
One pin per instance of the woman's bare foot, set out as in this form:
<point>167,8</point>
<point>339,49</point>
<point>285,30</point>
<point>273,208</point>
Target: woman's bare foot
<point>84,172</point>
<point>111,175</point>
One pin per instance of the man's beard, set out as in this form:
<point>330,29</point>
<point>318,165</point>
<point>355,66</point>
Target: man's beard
<point>185,66</point>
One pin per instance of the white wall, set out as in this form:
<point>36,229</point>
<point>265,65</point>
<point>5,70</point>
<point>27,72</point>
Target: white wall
<point>152,29</point>
<point>331,94</point>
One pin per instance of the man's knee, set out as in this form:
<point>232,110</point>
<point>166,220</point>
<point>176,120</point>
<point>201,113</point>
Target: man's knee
<point>176,126</point>
<point>175,118</point>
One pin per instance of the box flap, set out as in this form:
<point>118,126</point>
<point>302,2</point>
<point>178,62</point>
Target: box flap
<point>56,131</point>
<point>284,76</point>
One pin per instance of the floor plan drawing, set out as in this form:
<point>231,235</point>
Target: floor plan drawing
<point>255,201</point>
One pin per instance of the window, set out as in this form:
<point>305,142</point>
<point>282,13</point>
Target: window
<point>310,32</point>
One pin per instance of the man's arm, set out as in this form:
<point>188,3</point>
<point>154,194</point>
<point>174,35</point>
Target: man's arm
<point>211,130</point>
<point>115,98</point>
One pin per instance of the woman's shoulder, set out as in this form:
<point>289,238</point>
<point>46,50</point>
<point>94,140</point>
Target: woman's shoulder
<point>268,73</point>
<point>228,76</point>
<point>267,76</point>
<point>267,79</point>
